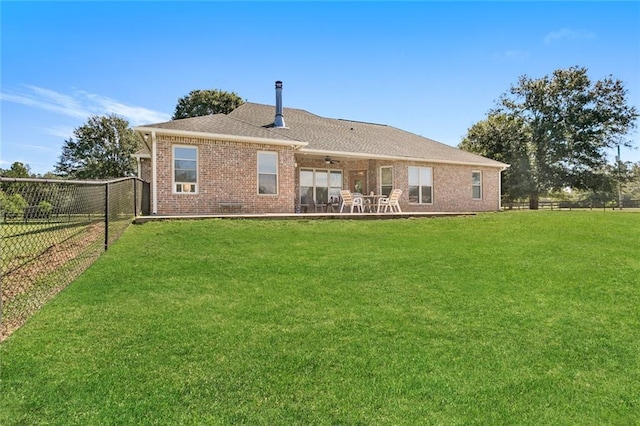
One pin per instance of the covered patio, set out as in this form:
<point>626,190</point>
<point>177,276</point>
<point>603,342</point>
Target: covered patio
<point>321,176</point>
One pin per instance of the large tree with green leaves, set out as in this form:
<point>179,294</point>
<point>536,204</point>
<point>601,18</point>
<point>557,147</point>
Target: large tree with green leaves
<point>102,149</point>
<point>503,138</point>
<point>631,188</point>
<point>565,126</point>
<point>206,102</point>
<point>17,170</point>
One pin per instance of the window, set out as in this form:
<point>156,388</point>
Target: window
<point>320,186</point>
<point>185,169</point>
<point>476,185</point>
<point>421,185</point>
<point>386,180</point>
<point>335,184</point>
<point>268,173</point>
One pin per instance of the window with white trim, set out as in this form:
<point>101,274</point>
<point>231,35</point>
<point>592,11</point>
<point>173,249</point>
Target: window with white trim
<point>267,173</point>
<point>386,180</point>
<point>185,169</point>
<point>421,185</point>
<point>476,185</point>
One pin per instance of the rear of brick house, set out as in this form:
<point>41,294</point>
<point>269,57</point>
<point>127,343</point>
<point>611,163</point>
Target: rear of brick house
<point>266,159</point>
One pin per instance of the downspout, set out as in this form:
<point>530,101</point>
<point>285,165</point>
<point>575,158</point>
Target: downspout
<point>154,173</point>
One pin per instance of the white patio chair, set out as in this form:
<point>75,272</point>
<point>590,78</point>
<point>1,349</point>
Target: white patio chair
<point>391,202</point>
<point>349,200</point>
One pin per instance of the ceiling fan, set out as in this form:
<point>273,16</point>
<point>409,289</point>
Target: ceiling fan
<point>328,160</point>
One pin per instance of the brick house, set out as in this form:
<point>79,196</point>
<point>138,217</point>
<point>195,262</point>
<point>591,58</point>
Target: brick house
<point>262,159</point>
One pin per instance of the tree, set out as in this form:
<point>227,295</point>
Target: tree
<point>102,149</point>
<point>631,188</point>
<point>569,122</point>
<point>17,170</point>
<point>503,138</point>
<point>11,205</point>
<point>206,102</point>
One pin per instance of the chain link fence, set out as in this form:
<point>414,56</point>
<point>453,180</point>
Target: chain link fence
<point>590,204</point>
<point>51,231</point>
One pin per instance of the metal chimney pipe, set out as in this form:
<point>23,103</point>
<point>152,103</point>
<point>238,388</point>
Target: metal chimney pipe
<point>279,119</point>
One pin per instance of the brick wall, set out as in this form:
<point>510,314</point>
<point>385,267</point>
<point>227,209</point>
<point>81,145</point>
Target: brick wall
<point>452,188</point>
<point>227,172</point>
<point>452,184</point>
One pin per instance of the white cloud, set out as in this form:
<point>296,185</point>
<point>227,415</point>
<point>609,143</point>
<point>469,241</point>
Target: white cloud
<point>59,131</point>
<point>516,54</point>
<point>81,104</point>
<point>26,147</point>
<point>135,114</point>
<point>512,55</point>
<point>37,148</point>
<point>568,34</point>
<point>37,156</point>
<point>48,100</point>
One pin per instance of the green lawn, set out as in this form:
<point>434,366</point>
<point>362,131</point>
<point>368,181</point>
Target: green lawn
<point>506,318</point>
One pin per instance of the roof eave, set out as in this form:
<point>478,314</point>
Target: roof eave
<point>360,155</point>
<point>141,155</point>
<point>226,137</point>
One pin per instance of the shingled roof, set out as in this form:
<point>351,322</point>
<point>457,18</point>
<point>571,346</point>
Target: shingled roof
<point>322,135</point>
<point>217,124</point>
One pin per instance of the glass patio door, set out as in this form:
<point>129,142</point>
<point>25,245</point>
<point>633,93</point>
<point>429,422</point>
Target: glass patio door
<point>319,186</point>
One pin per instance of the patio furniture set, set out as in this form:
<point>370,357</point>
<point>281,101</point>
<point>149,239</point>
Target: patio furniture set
<point>371,203</point>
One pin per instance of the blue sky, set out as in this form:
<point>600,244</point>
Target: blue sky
<point>431,68</point>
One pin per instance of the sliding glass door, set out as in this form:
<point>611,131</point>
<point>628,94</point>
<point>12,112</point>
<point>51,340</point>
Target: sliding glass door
<point>319,186</point>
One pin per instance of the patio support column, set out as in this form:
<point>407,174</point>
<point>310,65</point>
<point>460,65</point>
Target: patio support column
<point>154,173</point>
<point>500,188</point>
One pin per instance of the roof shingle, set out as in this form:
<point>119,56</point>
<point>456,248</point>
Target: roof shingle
<point>326,134</point>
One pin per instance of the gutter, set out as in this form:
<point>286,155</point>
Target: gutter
<point>232,138</point>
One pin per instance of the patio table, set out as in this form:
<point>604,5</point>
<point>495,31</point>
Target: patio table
<point>330,207</point>
<point>372,202</point>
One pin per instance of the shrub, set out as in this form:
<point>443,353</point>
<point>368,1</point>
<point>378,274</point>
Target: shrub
<point>11,205</point>
<point>44,208</point>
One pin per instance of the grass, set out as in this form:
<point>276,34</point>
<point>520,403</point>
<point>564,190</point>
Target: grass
<point>510,318</point>
<point>38,260</point>
<point>27,240</point>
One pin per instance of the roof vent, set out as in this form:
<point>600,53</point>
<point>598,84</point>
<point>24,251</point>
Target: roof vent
<point>279,120</point>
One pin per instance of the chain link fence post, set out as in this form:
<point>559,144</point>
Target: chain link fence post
<point>106,216</point>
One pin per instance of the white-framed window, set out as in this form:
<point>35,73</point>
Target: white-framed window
<point>476,185</point>
<point>386,180</point>
<point>185,169</point>
<point>320,186</point>
<point>421,185</point>
<point>267,173</point>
